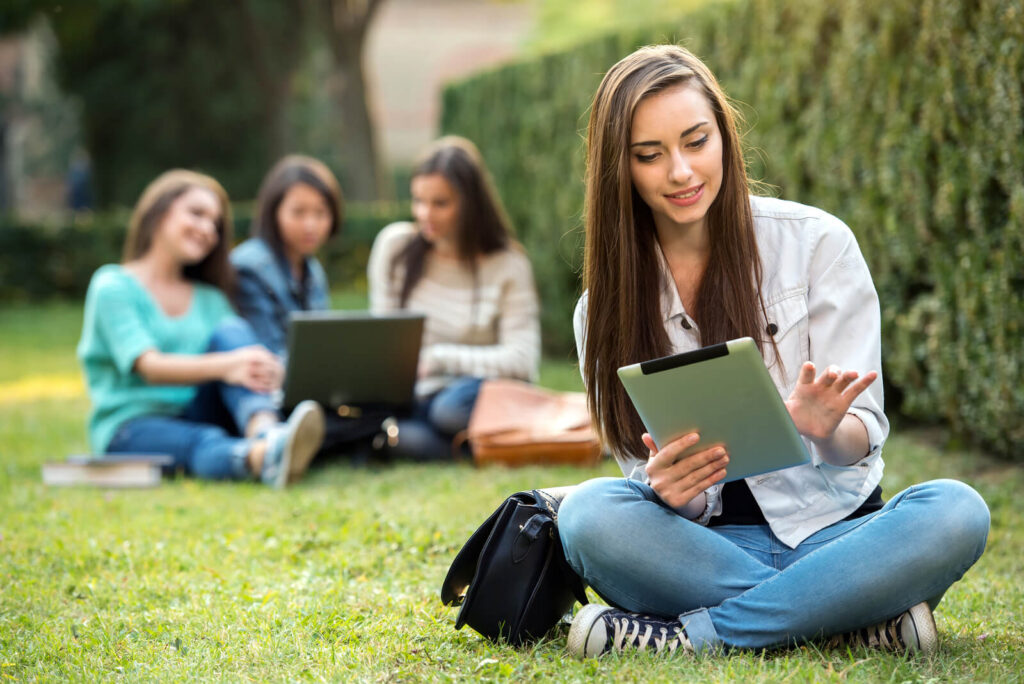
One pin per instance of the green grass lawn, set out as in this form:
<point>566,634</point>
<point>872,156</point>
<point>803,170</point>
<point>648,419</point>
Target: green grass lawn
<point>337,578</point>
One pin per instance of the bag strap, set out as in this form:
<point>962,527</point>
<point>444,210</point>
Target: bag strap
<point>572,579</point>
<point>575,582</point>
<point>551,499</point>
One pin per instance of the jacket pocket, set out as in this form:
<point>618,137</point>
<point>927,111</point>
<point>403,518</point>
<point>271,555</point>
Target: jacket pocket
<point>788,327</point>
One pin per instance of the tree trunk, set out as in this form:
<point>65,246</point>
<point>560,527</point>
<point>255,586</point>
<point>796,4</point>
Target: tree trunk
<point>274,62</point>
<point>345,29</point>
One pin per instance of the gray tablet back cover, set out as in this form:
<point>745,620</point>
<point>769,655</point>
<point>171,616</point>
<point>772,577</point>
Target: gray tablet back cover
<point>723,392</point>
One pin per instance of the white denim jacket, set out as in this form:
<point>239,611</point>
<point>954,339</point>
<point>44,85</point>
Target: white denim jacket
<point>818,293</point>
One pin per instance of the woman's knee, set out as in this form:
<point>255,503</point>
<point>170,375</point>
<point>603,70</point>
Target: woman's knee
<point>449,419</point>
<point>451,409</point>
<point>963,516</point>
<point>589,513</point>
<point>232,333</point>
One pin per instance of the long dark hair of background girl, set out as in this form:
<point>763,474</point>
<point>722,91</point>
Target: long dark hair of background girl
<point>483,227</point>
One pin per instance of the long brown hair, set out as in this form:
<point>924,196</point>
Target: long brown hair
<point>483,225</point>
<point>621,272</point>
<point>290,171</point>
<point>152,208</point>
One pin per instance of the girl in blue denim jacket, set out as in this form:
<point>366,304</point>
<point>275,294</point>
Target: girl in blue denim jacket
<point>679,255</point>
<point>298,209</point>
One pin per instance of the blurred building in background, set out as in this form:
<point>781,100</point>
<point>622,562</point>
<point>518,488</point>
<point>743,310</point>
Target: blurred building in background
<point>415,46</point>
<point>38,126</point>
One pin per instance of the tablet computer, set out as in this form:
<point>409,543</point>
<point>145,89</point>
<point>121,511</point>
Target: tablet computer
<point>724,393</point>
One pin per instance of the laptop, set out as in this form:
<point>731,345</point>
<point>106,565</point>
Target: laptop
<point>347,358</point>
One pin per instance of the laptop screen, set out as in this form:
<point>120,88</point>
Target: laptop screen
<point>343,358</point>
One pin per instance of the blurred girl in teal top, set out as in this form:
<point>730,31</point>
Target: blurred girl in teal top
<point>168,366</point>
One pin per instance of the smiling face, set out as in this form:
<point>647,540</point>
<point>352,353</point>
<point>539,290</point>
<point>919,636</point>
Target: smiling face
<point>675,153</point>
<point>188,230</point>
<point>303,220</point>
<point>435,207</point>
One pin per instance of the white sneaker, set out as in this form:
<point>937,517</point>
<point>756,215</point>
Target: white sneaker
<point>599,629</point>
<point>292,445</point>
<point>908,632</point>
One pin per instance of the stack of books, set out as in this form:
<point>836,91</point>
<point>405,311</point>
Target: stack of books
<point>109,471</point>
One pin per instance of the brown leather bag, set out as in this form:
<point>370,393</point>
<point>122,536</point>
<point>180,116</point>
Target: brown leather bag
<point>515,423</point>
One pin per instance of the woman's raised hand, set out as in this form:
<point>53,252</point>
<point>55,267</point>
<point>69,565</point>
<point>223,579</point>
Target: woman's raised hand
<point>255,368</point>
<point>818,405</point>
<point>679,479</point>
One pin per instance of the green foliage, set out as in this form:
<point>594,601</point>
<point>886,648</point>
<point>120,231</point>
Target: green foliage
<point>176,83</point>
<point>337,578</point>
<point>563,23</point>
<point>902,117</point>
<point>224,87</point>
<point>38,261</point>
<point>47,260</point>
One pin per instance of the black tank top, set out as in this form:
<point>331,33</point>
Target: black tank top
<point>739,507</point>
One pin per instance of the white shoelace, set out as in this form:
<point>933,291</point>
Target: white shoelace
<point>623,636</point>
<point>884,635</point>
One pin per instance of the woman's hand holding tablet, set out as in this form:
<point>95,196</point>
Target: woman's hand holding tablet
<point>724,393</point>
<point>678,478</point>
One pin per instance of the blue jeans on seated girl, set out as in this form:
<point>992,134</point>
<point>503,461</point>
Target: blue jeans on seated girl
<point>739,586</point>
<point>205,439</point>
<point>427,434</point>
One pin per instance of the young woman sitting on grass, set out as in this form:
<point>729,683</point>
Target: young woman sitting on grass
<point>298,209</point>
<point>169,367</point>
<point>680,255</point>
<point>457,264</point>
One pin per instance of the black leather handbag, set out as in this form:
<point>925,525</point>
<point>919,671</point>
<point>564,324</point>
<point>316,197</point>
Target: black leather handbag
<point>511,578</point>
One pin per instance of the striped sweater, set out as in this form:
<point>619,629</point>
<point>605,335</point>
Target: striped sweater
<point>492,332</point>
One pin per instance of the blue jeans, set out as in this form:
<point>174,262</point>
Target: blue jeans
<point>427,434</point>
<point>205,439</point>
<point>739,586</point>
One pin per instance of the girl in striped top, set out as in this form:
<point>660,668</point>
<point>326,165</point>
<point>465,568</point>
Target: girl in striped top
<point>458,264</point>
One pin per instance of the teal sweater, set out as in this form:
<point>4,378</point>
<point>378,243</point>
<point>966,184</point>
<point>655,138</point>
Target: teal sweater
<point>121,321</point>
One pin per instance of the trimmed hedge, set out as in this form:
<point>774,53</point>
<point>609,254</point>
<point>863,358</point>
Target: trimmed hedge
<point>44,260</point>
<point>903,117</point>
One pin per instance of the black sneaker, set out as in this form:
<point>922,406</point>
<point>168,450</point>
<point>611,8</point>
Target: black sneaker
<point>599,629</point>
<point>908,632</point>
